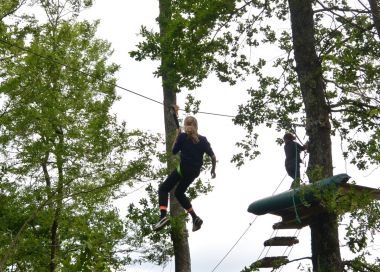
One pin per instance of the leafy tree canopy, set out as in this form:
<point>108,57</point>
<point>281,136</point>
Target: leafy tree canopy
<point>64,156</point>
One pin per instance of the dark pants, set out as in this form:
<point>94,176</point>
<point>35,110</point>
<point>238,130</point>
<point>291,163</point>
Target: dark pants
<point>293,170</point>
<point>184,180</point>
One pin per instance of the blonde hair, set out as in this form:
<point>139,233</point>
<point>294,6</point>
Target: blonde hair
<point>190,125</point>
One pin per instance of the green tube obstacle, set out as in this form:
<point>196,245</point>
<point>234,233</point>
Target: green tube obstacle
<point>295,206</point>
<point>293,197</point>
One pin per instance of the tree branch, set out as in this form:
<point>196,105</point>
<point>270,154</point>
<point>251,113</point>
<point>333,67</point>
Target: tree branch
<point>344,18</point>
<point>359,265</point>
<point>292,261</point>
<point>13,10</point>
<point>375,15</point>
<point>355,103</point>
<point>324,9</point>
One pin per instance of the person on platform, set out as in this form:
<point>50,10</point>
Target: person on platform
<point>292,158</point>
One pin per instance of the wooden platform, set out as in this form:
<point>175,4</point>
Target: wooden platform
<point>358,189</point>
<point>296,217</point>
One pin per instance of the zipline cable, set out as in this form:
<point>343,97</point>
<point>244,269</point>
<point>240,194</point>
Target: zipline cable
<point>10,44</point>
<point>96,78</point>
<point>246,230</point>
<point>238,240</point>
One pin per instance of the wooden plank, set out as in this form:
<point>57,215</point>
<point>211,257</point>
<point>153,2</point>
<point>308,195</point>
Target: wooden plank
<point>290,225</point>
<point>281,241</point>
<point>358,189</point>
<point>302,211</point>
<point>293,223</point>
<point>269,262</point>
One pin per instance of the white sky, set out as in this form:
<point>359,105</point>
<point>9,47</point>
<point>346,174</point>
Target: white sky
<point>224,210</point>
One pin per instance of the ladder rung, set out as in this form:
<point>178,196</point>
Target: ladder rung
<point>281,241</point>
<point>268,262</point>
<point>293,224</point>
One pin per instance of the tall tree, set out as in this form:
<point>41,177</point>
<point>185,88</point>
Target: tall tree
<point>169,86</point>
<point>328,81</point>
<point>182,66</point>
<point>311,69</point>
<point>65,156</point>
<point>375,15</point>
<point>324,227</point>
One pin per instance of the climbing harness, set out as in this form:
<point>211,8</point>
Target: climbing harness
<point>179,170</point>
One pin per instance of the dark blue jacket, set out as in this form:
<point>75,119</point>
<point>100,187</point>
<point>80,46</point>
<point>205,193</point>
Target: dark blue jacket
<point>192,153</point>
<point>292,153</point>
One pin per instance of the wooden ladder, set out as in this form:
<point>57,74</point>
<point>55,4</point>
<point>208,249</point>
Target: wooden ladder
<point>275,261</point>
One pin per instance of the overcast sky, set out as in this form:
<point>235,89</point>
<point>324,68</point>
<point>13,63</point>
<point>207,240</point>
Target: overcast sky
<point>224,210</point>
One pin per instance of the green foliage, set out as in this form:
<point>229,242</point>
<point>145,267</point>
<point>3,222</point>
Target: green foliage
<point>8,7</point>
<point>247,145</point>
<point>252,268</point>
<point>190,40</point>
<point>276,264</point>
<point>359,265</point>
<point>226,37</point>
<point>363,224</point>
<point>363,221</point>
<point>350,58</point>
<point>64,157</point>
<point>348,50</point>
<point>149,246</point>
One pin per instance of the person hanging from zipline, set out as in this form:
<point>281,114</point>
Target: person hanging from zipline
<point>292,158</point>
<point>192,147</point>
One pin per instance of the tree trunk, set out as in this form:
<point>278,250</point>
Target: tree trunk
<point>324,228</point>
<point>179,233</point>
<point>55,241</point>
<point>375,15</point>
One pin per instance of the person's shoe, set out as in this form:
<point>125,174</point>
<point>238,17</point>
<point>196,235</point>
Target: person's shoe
<point>197,223</point>
<point>162,223</point>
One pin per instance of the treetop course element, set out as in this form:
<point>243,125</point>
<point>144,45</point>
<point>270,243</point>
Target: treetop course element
<point>298,206</point>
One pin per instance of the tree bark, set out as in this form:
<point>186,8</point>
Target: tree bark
<point>55,241</point>
<point>179,233</point>
<point>324,228</point>
<point>375,15</point>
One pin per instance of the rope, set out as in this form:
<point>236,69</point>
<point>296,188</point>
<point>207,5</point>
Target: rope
<point>262,251</point>
<point>298,219</point>
<point>249,226</point>
<point>114,84</point>
<point>96,78</point>
<point>291,248</point>
<point>238,240</point>
<point>279,184</point>
<point>295,132</point>
<point>266,254</point>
